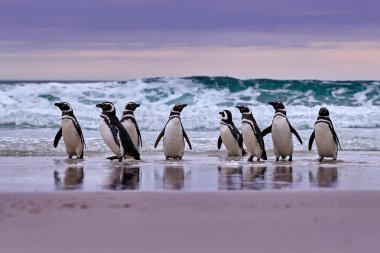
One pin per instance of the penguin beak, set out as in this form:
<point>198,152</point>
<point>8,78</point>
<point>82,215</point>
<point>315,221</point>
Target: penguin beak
<point>58,104</point>
<point>137,105</point>
<point>99,105</point>
<point>239,107</point>
<point>221,113</point>
<point>271,103</point>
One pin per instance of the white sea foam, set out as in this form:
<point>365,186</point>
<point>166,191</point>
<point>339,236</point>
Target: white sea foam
<point>31,104</point>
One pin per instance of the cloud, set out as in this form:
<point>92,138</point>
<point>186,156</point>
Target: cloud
<point>121,39</point>
<point>147,23</point>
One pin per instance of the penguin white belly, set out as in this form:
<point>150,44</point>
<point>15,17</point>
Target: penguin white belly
<point>229,141</point>
<point>107,137</point>
<point>174,144</point>
<point>71,138</point>
<point>324,139</point>
<point>281,137</point>
<point>132,131</point>
<point>250,140</point>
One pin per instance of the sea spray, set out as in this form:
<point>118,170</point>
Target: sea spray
<point>28,116</point>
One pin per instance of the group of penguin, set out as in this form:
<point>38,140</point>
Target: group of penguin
<point>253,138</point>
<point>123,136</point>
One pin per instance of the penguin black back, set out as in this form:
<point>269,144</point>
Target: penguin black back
<point>247,117</point>
<point>128,115</point>
<point>109,116</point>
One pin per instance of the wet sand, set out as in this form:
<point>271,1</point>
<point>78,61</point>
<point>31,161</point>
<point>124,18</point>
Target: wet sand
<point>268,221</point>
<point>198,171</point>
<point>51,204</point>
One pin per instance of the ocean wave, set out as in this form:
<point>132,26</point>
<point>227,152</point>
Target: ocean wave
<point>352,104</point>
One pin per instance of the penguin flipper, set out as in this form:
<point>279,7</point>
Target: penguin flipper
<point>295,133</point>
<point>264,155</point>
<point>336,139</point>
<point>235,132</point>
<point>159,137</point>
<point>259,136</point>
<point>266,131</point>
<point>126,142</point>
<point>57,137</point>
<point>187,139</point>
<point>311,140</point>
<point>137,130</point>
<point>220,142</point>
<point>79,130</point>
<point>240,142</point>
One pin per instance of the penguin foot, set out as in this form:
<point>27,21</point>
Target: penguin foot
<point>258,159</point>
<point>320,159</point>
<point>250,159</point>
<point>277,159</point>
<point>70,157</point>
<point>113,157</point>
<point>290,158</point>
<point>283,157</point>
<point>120,159</point>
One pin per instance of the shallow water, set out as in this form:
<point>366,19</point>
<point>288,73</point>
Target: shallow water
<point>201,171</point>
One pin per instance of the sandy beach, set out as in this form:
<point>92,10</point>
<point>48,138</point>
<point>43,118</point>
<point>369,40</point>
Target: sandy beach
<point>95,205</point>
<point>270,221</point>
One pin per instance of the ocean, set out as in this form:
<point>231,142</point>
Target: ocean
<point>29,120</point>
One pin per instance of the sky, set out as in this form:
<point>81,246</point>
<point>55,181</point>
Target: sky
<point>126,39</point>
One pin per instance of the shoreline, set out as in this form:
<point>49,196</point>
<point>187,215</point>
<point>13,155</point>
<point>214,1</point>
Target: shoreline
<point>204,203</point>
<point>198,171</point>
<point>297,221</point>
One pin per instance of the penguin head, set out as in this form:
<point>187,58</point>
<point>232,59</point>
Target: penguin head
<point>107,107</point>
<point>244,109</point>
<point>178,107</point>
<point>64,106</point>
<point>131,106</point>
<point>226,116</point>
<point>277,105</point>
<point>324,111</point>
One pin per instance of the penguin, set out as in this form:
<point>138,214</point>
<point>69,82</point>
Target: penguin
<point>130,124</point>
<point>325,136</point>
<point>230,136</point>
<point>71,132</point>
<point>251,134</point>
<point>174,134</point>
<point>281,130</point>
<point>114,134</point>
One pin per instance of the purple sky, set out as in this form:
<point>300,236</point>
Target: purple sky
<point>52,26</point>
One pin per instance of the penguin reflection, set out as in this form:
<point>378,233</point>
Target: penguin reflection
<point>325,177</point>
<point>174,177</point>
<point>254,178</point>
<point>230,178</point>
<point>124,178</point>
<point>282,176</point>
<point>73,178</point>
